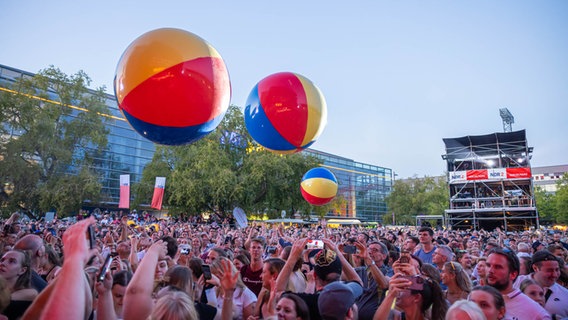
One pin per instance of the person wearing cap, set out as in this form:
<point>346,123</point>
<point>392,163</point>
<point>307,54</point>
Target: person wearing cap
<point>546,271</point>
<point>538,246</point>
<point>502,271</point>
<point>330,265</point>
<point>337,301</point>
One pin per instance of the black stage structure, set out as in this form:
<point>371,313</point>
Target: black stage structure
<point>490,182</point>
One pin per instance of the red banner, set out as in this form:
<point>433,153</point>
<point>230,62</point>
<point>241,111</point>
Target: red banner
<point>476,175</point>
<point>513,173</point>
<point>124,201</point>
<point>158,193</point>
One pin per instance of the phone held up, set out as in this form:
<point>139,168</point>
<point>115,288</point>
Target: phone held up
<point>206,272</point>
<point>314,244</point>
<point>91,237</point>
<point>349,249</point>
<point>417,283</point>
<point>105,268</point>
<point>404,257</point>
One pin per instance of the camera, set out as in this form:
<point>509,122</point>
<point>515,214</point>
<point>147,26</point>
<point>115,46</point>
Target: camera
<point>270,249</point>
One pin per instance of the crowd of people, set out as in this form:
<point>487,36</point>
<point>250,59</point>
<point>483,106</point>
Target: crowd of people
<point>139,267</point>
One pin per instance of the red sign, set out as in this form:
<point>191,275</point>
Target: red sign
<point>513,173</point>
<point>476,175</point>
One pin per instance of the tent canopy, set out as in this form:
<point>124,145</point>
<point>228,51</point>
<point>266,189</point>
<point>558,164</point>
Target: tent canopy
<point>299,221</point>
<point>343,221</point>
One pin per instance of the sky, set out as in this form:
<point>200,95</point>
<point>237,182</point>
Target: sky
<point>397,76</point>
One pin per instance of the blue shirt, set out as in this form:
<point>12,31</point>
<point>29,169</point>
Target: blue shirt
<point>426,257</point>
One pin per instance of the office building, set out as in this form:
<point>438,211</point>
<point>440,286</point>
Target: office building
<point>363,186</point>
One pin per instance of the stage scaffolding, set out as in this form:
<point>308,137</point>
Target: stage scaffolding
<point>490,182</point>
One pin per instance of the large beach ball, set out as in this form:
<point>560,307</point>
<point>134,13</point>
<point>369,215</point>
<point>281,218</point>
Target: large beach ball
<point>319,186</point>
<point>172,86</point>
<point>285,113</point>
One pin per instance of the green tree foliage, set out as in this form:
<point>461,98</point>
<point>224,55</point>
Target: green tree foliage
<point>417,196</point>
<point>52,127</point>
<point>228,169</point>
<point>553,207</point>
<point>561,200</point>
<point>545,205</point>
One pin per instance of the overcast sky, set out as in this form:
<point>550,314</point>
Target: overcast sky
<point>398,76</point>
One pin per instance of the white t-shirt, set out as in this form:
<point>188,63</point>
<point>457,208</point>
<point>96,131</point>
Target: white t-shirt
<point>241,299</point>
<point>520,307</point>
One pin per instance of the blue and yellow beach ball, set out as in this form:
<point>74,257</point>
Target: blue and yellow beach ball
<point>172,86</point>
<point>285,113</point>
<point>319,186</point>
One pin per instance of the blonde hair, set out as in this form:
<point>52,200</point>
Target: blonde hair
<point>174,305</point>
<point>470,308</point>
<point>462,278</point>
<point>216,267</point>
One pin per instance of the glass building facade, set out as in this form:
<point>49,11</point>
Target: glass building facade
<point>363,186</point>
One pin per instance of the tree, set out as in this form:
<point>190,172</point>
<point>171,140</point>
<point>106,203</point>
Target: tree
<point>227,169</point>
<point>417,196</point>
<point>561,200</point>
<point>545,205</point>
<point>53,126</point>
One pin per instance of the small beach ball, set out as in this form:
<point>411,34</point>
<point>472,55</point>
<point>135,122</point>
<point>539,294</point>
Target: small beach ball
<point>172,86</point>
<point>319,186</point>
<point>285,113</point>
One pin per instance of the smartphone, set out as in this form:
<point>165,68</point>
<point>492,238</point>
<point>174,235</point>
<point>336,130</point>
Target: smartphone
<point>404,257</point>
<point>270,249</point>
<point>184,249</point>
<point>206,272</point>
<point>417,283</point>
<point>314,244</point>
<point>91,237</point>
<point>104,269</point>
<point>349,249</point>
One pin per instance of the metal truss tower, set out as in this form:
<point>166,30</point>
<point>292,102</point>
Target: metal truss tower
<point>508,119</point>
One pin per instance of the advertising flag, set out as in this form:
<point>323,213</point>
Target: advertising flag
<point>124,201</point>
<point>158,193</point>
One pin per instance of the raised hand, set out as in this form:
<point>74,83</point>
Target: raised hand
<point>161,248</point>
<point>228,276</point>
<point>75,241</point>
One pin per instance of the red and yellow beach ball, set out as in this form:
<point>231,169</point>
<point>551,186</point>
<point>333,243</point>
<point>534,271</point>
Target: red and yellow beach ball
<point>285,113</point>
<point>172,86</point>
<point>319,186</point>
